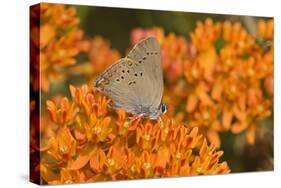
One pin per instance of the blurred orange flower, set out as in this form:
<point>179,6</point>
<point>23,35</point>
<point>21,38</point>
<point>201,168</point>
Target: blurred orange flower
<point>221,72</point>
<point>205,34</point>
<point>265,29</point>
<point>59,42</point>
<point>100,55</point>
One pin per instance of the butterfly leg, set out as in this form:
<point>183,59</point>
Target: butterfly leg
<point>134,119</point>
<point>160,121</point>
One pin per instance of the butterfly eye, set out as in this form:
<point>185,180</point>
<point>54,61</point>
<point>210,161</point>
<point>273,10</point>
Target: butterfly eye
<point>163,108</point>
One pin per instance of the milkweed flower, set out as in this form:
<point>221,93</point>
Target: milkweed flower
<point>101,55</point>
<point>58,40</point>
<point>219,75</point>
<point>265,29</point>
<point>61,113</point>
<point>100,144</point>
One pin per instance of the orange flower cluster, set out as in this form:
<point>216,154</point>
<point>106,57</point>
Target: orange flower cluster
<point>100,56</point>
<point>224,76</point>
<point>90,142</point>
<point>56,36</point>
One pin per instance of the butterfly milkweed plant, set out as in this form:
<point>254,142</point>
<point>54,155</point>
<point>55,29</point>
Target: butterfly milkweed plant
<point>218,86</point>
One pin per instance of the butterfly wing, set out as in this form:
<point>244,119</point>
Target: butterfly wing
<point>147,55</point>
<point>135,83</point>
<point>113,82</point>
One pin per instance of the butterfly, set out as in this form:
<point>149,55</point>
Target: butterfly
<point>135,82</point>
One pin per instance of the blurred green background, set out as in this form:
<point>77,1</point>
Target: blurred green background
<point>116,24</point>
